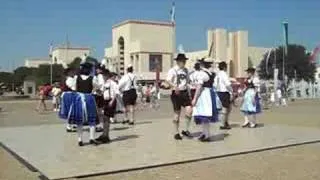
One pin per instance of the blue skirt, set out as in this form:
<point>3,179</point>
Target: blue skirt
<point>211,102</point>
<point>84,110</point>
<point>78,108</point>
<point>67,100</point>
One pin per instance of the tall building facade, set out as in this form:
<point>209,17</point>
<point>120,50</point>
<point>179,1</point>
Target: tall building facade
<point>143,44</point>
<point>231,47</point>
<point>65,55</point>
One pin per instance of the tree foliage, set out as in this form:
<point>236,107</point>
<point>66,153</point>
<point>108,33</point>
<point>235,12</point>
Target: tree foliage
<point>40,75</point>
<point>75,63</point>
<point>297,64</point>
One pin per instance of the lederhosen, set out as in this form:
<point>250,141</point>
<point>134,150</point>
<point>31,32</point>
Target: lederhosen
<point>183,98</point>
<point>109,111</point>
<point>224,97</point>
<point>99,99</point>
<point>130,96</point>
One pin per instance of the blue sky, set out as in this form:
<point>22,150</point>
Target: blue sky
<point>28,26</point>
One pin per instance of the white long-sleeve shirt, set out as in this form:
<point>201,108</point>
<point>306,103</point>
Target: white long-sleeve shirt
<point>127,82</point>
<point>100,81</point>
<point>110,90</point>
<point>222,82</point>
<point>70,83</point>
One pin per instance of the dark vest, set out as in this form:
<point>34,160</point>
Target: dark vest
<point>209,83</point>
<point>84,86</point>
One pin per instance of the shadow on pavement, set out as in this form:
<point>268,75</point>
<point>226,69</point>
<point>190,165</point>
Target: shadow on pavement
<point>123,138</point>
<point>119,128</point>
<point>218,137</point>
<point>143,122</point>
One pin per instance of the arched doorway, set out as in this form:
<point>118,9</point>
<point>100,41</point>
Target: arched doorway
<point>120,65</point>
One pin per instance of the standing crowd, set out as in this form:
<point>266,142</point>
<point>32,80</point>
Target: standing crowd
<point>207,96</point>
<point>94,95</point>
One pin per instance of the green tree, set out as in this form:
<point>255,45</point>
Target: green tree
<point>75,63</point>
<point>43,73</point>
<point>6,79</point>
<point>21,73</point>
<point>297,61</point>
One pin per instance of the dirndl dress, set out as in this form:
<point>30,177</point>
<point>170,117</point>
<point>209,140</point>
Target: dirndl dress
<point>84,109</point>
<point>248,107</point>
<point>206,110</point>
<point>67,105</point>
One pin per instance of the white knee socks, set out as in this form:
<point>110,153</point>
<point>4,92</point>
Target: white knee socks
<point>92,132</point>
<point>253,120</point>
<point>79,132</point>
<point>206,129</point>
<point>131,113</point>
<point>188,122</point>
<point>246,120</point>
<point>176,126</point>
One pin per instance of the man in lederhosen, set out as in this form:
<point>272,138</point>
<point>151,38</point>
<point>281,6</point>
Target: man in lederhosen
<point>110,92</point>
<point>128,86</point>
<point>178,80</point>
<point>223,87</point>
<point>99,95</point>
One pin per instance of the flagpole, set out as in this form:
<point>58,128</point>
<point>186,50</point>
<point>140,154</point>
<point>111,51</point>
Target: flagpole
<point>50,56</point>
<point>173,21</point>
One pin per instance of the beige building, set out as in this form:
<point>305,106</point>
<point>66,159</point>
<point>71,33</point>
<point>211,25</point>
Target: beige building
<point>65,55</point>
<point>36,62</point>
<point>146,43</point>
<point>232,47</point>
<point>143,44</point>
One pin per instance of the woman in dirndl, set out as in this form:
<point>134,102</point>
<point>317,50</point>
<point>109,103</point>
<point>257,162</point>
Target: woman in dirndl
<point>84,109</point>
<point>204,103</point>
<point>251,105</point>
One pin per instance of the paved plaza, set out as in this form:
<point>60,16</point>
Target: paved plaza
<point>40,140</point>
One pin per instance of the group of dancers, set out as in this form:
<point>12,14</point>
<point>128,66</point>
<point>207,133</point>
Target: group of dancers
<point>207,96</point>
<point>91,98</point>
<point>92,95</point>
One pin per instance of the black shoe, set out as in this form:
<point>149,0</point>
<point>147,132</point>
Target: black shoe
<point>246,125</point>
<point>93,142</point>
<point>99,129</point>
<point>131,123</point>
<point>187,134</point>
<point>177,137</point>
<point>80,143</point>
<point>202,137</point>
<point>205,139</point>
<point>103,139</point>
<point>225,127</point>
<point>125,121</point>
